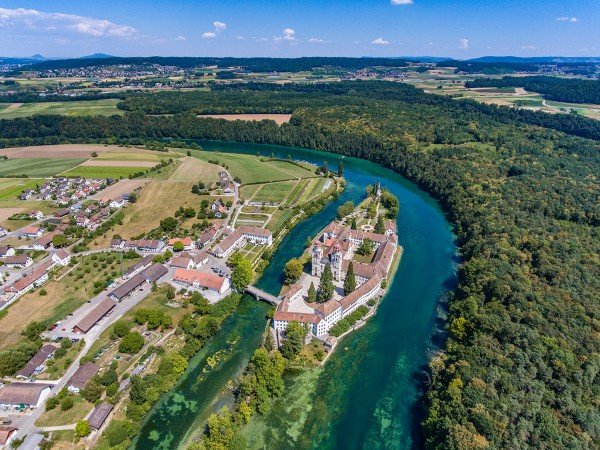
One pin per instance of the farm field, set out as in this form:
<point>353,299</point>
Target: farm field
<point>107,107</point>
<point>10,188</point>
<point>293,169</point>
<point>62,297</point>
<point>248,168</point>
<point>194,170</point>
<point>103,171</point>
<point>135,154</point>
<point>36,167</point>
<point>64,151</point>
<point>118,188</point>
<point>157,199</point>
<point>277,118</point>
<point>273,192</point>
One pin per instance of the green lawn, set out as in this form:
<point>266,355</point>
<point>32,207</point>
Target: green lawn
<point>274,192</point>
<point>103,172</point>
<point>293,169</point>
<point>10,188</point>
<point>37,167</point>
<point>250,169</point>
<point>57,417</point>
<point>106,107</point>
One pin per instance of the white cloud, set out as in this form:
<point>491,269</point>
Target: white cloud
<point>288,35</point>
<point>180,38</point>
<point>33,20</point>
<point>240,38</point>
<point>567,19</point>
<point>402,2</point>
<point>317,41</point>
<point>528,47</point>
<point>463,43</point>
<point>380,41</point>
<point>219,26</point>
<point>209,35</point>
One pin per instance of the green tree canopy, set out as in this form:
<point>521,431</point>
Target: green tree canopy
<point>326,287</point>
<point>242,275</point>
<point>350,280</point>
<point>294,340</point>
<point>292,271</point>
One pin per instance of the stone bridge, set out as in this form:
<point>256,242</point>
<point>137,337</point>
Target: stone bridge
<point>262,295</point>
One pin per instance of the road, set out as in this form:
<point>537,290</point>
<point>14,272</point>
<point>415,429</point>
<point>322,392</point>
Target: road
<point>27,425</point>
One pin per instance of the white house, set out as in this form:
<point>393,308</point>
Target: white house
<point>6,250</point>
<point>61,257</point>
<point>18,261</point>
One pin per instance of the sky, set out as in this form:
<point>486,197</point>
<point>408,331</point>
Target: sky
<point>290,28</point>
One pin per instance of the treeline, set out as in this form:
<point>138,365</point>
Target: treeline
<point>251,64</point>
<point>552,88</point>
<point>490,68</point>
<point>34,97</point>
<point>520,368</point>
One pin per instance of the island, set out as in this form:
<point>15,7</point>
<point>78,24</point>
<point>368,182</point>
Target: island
<point>350,264</point>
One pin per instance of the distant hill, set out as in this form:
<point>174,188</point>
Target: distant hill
<point>536,59</point>
<point>97,56</point>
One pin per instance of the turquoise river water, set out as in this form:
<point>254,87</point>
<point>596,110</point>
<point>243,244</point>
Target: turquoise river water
<point>366,394</point>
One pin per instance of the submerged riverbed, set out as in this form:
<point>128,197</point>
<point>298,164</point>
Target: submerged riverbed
<point>365,395</point>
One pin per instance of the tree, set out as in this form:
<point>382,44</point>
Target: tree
<point>353,224</point>
<point>131,343</point>
<point>121,328</point>
<point>66,403</point>
<point>109,377</point>
<point>326,287</point>
<point>294,340</point>
<point>178,246</point>
<point>242,275</point>
<point>168,224</point>
<point>350,280</point>
<point>340,170</point>
<point>312,293</point>
<point>59,241</point>
<point>132,197</point>
<point>292,271</point>
<point>379,226</point>
<point>92,390</point>
<point>366,247</point>
<point>345,210</point>
<point>137,390</point>
<point>83,428</point>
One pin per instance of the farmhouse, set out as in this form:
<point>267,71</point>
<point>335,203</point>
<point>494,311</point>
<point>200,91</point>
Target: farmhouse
<point>6,250</point>
<point>150,245</point>
<point>154,272</point>
<point>187,260</point>
<point>142,264</point>
<point>187,242</point>
<point>19,261</point>
<point>61,257</point>
<point>202,280</point>
<point>45,241</point>
<point>23,395</point>
<point>32,231</point>
<point>80,378</point>
<point>36,364</point>
<point>101,310</point>
<point>239,237</point>
<point>28,282</point>
<point>206,237</point>
<point>117,243</point>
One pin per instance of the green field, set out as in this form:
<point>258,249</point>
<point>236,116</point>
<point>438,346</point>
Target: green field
<point>274,192</point>
<point>136,155</point>
<point>36,167</point>
<point>103,172</point>
<point>10,188</point>
<point>106,107</point>
<point>250,169</point>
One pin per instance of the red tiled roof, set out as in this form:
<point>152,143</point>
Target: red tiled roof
<point>296,317</point>
<point>204,279</point>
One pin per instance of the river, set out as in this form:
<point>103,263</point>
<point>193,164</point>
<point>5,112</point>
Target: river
<point>365,396</point>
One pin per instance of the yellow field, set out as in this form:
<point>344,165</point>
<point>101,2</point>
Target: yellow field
<point>158,199</point>
<point>194,170</point>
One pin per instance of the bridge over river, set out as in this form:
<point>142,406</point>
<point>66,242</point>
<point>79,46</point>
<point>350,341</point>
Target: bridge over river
<point>262,295</point>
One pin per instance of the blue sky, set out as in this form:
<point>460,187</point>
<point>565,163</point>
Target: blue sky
<point>291,28</point>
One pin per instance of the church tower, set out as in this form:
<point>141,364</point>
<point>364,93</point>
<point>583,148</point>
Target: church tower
<point>317,257</point>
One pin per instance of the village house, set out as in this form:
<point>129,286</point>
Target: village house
<point>37,215</point>
<point>202,280</point>
<point>32,231</point>
<point>187,242</point>
<point>35,279</point>
<point>36,364</point>
<point>21,261</point>
<point>45,241</point>
<point>6,250</point>
<point>206,237</point>
<point>23,395</point>
<point>61,257</point>
<point>80,378</point>
<point>3,232</point>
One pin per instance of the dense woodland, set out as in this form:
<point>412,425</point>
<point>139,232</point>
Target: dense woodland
<point>521,362</point>
<point>552,88</point>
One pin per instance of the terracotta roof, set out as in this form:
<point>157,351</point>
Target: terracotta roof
<point>207,235</point>
<point>296,317</point>
<point>180,261</point>
<point>360,269</point>
<point>186,241</point>
<point>83,374</point>
<point>5,433</point>
<point>327,307</point>
<point>198,257</point>
<point>27,280</point>
<point>22,393</point>
<point>237,234</point>
<point>17,259</point>
<point>31,230</point>
<point>207,280</point>
<point>62,253</point>
<point>95,315</point>
<point>351,298</point>
<point>46,239</point>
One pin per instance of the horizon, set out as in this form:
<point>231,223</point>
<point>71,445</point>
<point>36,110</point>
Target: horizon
<point>267,28</point>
